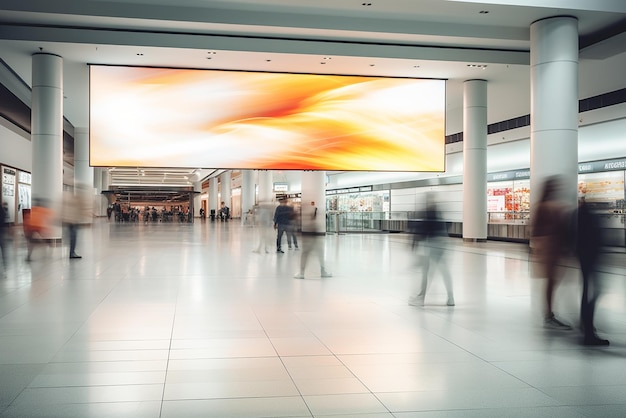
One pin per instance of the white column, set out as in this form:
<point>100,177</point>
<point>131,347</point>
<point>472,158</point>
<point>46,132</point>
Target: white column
<point>47,134</point>
<point>247,193</point>
<point>314,190</point>
<point>213,196</point>
<point>197,198</point>
<point>83,173</point>
<point>554,105</point>
<point>475,160</point>
<point>225,188</point>
<point>266,186</point>
<point>98,198</point>
<point>106,179</point>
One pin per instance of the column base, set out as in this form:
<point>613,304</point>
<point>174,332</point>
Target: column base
<point>474,239</point>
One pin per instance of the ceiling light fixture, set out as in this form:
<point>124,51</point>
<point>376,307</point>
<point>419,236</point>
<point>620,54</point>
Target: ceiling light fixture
<point>481,66</point>
<point>139,54</point>
<point>483,12</point>
<point>366,4</point>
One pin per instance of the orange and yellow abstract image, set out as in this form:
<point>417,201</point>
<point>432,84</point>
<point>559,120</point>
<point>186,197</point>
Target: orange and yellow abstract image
<point>163,117</point>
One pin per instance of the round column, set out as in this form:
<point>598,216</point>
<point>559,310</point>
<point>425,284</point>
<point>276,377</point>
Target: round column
<point>314,194</point>
<point>226,189</point>
<point>475,160</point>
<point>47,134</point>
<point>554,105</point>
<point>197,198</point>
<point>99,210</point>
<point>213,196</point>
<point>83,173</point>
<point>247,193</point>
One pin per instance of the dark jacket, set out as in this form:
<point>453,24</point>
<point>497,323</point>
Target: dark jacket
<point>283,215</point>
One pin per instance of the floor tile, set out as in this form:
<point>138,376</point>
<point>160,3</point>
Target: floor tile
<point>184,320</point>
<point>256,407</point>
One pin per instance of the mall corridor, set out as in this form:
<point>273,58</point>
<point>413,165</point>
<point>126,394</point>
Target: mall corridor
<point>184,320</point>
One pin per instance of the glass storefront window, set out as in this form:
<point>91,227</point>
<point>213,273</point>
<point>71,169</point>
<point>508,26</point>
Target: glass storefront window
<point>602,189</point>
<point>359,202</point>
<point>508,201</point>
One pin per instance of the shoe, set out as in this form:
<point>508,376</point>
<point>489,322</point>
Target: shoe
<point>595,340</point>
<point>450,301</point>
<point>298,276</point>
<point>289,247</point>
<point>280,251</point>
<point>416,300</point>
<point>554,323</point>
<point>326,274</point>
<point>75,256</point>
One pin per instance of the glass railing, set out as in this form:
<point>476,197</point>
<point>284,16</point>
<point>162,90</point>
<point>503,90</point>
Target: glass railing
<point>342,222</point>
<point>508,217</point>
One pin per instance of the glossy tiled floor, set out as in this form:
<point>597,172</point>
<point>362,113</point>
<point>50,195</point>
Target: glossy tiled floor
<point>174,320</point>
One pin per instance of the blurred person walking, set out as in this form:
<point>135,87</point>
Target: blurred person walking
<point>76,212</point>
<point>36,223</point>
<point>263,222</point>
<point>429,239</point>
<point>588,246</point>
<point>313,241</point>
<point>282,220</point>
<point>292,239</point>
<point>549,229</point>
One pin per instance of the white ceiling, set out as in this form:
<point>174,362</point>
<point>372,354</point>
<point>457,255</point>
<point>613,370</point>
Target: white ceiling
<point>409,38</point>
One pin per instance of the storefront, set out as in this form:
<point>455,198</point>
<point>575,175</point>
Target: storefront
<point>15,193</point>
<point>357,209</point>
<point>601,183</point>
<point>508,197</point>
<point>357,199</point>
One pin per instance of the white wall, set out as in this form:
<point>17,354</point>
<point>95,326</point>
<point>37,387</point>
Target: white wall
<point>449,199</point>
<point>15,147</point>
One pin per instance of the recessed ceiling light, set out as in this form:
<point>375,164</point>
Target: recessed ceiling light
<point>323,62</point>
<point>268,60</point>
<point>366,4</point>
<point>416,66</point>
<point>372,65</point>
<point>484,12</point>
<point>327,58</point>
<point>140,54</point>
<point>481,66</point>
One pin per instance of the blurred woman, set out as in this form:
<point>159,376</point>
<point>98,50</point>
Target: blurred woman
<point>549,241</point>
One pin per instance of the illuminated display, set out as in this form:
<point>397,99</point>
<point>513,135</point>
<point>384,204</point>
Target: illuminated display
<point>164,117</point>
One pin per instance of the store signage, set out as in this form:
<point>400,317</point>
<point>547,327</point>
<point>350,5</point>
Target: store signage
<point>606,165</point>
<point>509,175</point>
<point>281,187</point>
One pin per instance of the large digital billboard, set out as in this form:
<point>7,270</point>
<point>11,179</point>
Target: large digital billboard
<point>167,117</point>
